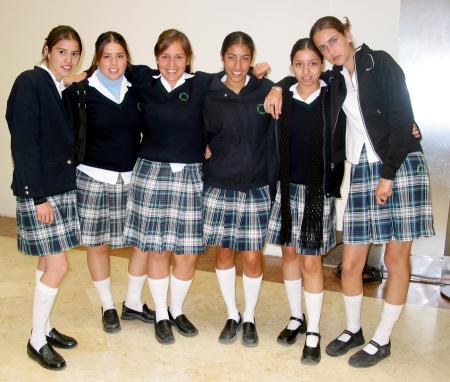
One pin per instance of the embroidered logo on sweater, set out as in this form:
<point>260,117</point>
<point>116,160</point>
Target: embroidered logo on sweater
<point>260,109</point>
<point>183,96</point>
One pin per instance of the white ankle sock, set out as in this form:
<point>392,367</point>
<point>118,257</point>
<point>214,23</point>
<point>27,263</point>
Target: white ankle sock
<point>389,317</point>
<point>44,298</point>
<point>178,291</point>
<point>313,302</point>
<point>252,287</point>
<point>49,325</point>
<point>294,295</point>
<point>227,283</point>
<point>158,289</point>
<point>104,293</point>
<point>133,300</point>
<point>353,315</point>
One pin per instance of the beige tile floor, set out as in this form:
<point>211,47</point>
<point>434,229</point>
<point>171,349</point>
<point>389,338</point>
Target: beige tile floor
<point>420,350</point>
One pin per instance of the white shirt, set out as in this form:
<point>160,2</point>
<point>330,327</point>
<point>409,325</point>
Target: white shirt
<point>59,84</point>
<point>100,174</point>
<point>356,135</point>
<point>247,78</point>
<point>175,167</point>
<point>311,98</point>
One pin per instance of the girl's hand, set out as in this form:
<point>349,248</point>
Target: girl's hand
<point>274,101</point>
<point>261,69</point>
<point>416,131</point>
<point>208,153</point>
<point>69,80</point>
<point>383,191</point>
<point>44,213</point>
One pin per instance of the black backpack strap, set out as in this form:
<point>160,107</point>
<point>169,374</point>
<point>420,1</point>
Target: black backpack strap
<point>81,134</point>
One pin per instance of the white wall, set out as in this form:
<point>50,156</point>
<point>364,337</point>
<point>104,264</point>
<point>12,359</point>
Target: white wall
<point>274,26</point>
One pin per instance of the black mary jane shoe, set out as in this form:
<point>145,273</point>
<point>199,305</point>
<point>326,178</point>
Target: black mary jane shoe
<point>363,359</point>
<point>288,336</point>
<point>229,331</point>
<point>183,325</point>
<point>147,315</point>
<point>59,340</point>
<point>110,321</point>
<point>163,332</point>
<point>249,335</point>
<point>337,347</point>
<point>46,357</point>
<point>311,355</point>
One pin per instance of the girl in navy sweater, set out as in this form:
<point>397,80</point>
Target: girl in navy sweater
<point>112,139</point>
<point>44,182</point>
<point>236,195</point>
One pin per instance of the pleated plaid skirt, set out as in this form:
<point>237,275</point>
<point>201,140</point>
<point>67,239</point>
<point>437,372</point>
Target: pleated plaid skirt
<point>236,220</point>
<point>164,209</point>
<point>407,214</point>
<point>35,238</point>
<point>102,211</point>
<point>297,204</point>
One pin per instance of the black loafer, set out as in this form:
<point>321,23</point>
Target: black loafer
<point>183,325</point>
<point>337,347</point>
<point>311,355</point>
<point>46,357</point>
<point>249,335</point>
<point>363,359</point>
<point>147,315</point>
<point>110,320</point>
<point>229,331</point>
<point>59,340</point>
<point>163,332</point>
<point>288,336</point>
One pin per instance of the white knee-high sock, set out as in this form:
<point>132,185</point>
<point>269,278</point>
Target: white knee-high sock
<point>49,325</point>
<point>313,302</point>
<point>384,329</point>
<point>158,289</point>
<point>353,315</point>
<point>227,283</point>
<point>294,295</point>
<point>178,292</point>
<point>252,286</point>
<point>44,298</point>
<point>133,300</point>
<point>104,293</point>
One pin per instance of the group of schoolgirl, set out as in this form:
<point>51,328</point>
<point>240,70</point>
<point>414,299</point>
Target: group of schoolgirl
<point>168,161</point>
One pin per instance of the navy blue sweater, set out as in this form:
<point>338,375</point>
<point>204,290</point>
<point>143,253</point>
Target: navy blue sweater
<point>113,131</point>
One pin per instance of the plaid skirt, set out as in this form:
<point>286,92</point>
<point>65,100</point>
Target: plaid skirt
<point>164,209</point>
<point>35,238</point>
<point>102,211</point>
<point>234,219</point>
<point>297,203</point>
<point>407,214</point>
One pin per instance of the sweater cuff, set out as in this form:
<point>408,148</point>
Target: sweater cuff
<point>388,172</point>
<point>38,201</point>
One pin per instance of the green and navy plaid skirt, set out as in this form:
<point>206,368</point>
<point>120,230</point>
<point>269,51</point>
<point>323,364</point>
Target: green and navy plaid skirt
<point>236,220</point>
<point>297,204</point>
<point>35,238</point>
<point>407,214</point>
<point>102,211</point>
<point>164,209</point>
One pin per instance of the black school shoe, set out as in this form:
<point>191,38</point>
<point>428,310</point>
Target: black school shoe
<point>163,332</point>
<point>110,321</point>
<point>363,359</point>
<point>311,355</point>
<point>183,325</point>
<point>46,357</point>
<point>249,335</point>
<point>288,336</point>
<point>59,340</point>
<point>229,331</point>
<point>337,347</point>
<point>147,315</point>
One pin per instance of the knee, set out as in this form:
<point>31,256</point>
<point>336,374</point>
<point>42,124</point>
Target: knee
<point>311,264</point>
<point>290,257</point>
<point>252,265</point>
<point>350,270</point>
<point>224,259</point>
<point>395,263</point>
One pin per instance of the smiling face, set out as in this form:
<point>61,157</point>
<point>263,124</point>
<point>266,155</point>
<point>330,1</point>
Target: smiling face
<point>113,61</point>
<point>236,61</point>
<point>172,62</point>
<point>62,58</point>
<point>335,46</point>
<point>307,67</point>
